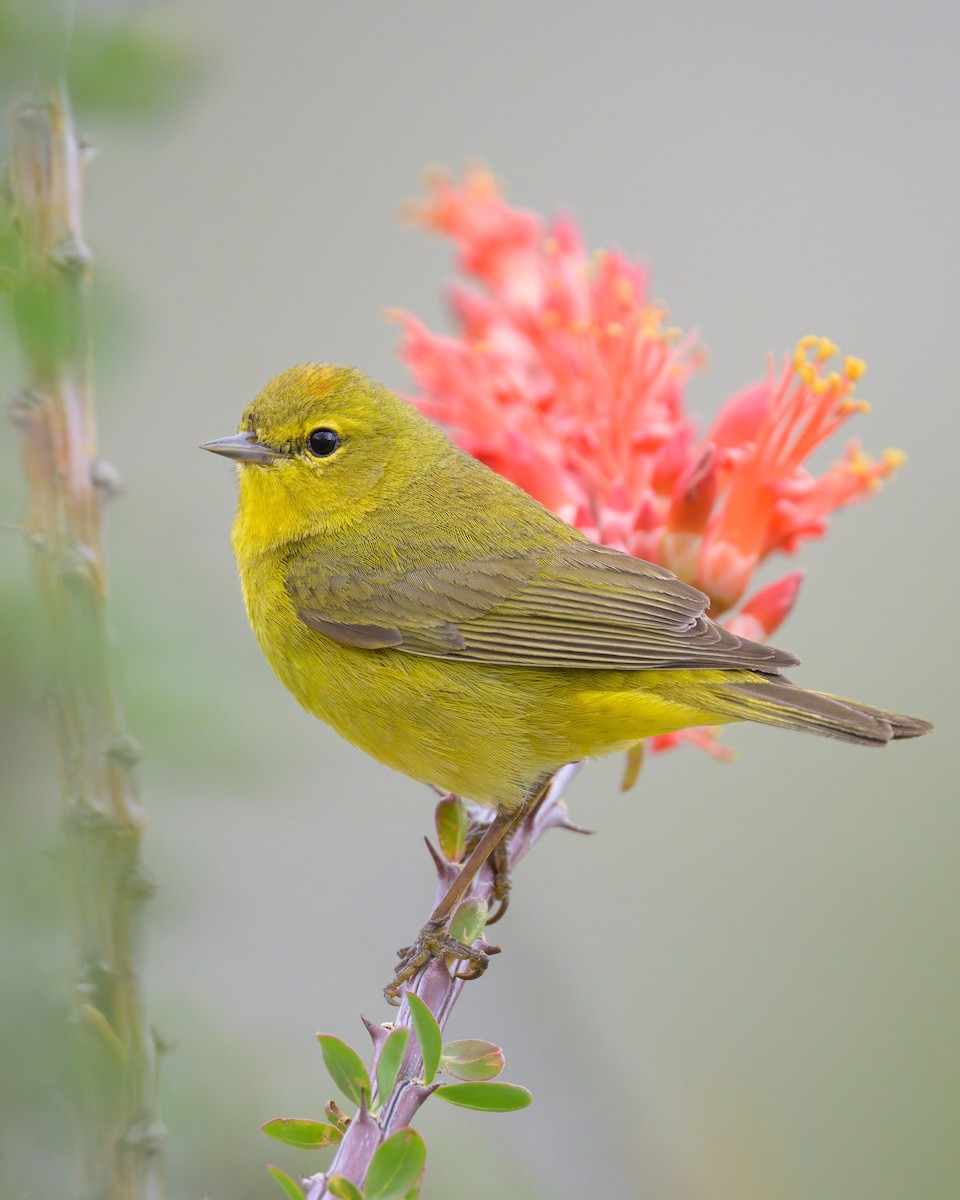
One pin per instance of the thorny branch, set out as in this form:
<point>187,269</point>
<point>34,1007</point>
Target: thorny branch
<point>114,1055</point>
<point>439,988</point>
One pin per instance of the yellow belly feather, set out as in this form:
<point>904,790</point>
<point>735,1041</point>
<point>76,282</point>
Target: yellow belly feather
<point>484,732</point>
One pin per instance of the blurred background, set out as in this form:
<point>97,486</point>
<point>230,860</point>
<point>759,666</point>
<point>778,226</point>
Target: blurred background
<point>747,983</point>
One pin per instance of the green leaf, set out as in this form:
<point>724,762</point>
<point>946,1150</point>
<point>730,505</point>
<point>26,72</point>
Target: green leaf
<point>469,920</point>
<point>345,1067</point>
<point>131,70</point>
<point>451,821</point>
<point>397,1166</point>
<point>390,1060</point>
<point>287,1185</point>
<point>472,1059</point>
<point>297,1131</point>
<point>341,1187</point>
<point>489,1097</point>
<point>428,1035</point>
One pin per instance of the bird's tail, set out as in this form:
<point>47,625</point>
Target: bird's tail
<point>776,701</point>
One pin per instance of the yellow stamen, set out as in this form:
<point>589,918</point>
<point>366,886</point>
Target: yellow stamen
<point>857,405</point>
<point>894,459</point>
<point>800,352</point>
<point>853,368</point>
<point>826,349</point>
<point>651,320</point>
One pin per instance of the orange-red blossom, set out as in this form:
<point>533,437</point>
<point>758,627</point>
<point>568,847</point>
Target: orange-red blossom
<point>565,378</point>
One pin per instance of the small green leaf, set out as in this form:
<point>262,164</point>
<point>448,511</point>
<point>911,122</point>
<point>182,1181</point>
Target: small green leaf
<point>343,1189</point>
<point>489,1097</point>
<point>287,1185</point>
<point>390,1060</point>
<point>469,920</point>
<point>428,1035</point>
<point>397,1166</point>
<point>345,1067</point>
<point>129,71</point>
<point>451,821</point>
<point>472,1059</point>
<point>297,1131</point>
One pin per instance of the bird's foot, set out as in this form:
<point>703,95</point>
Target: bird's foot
<point>499,865</point>
<point>500,868</point>
<point>433,941</point>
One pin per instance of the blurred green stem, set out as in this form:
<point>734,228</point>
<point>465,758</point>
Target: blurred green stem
<point>113,1051</point>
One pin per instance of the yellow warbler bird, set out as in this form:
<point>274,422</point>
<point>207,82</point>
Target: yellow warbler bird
<point>442,620</point>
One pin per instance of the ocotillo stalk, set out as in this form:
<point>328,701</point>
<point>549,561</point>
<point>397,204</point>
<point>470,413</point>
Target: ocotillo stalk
<point>113,1067</point>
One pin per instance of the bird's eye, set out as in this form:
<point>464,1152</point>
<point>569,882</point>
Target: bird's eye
<point>323,442</point>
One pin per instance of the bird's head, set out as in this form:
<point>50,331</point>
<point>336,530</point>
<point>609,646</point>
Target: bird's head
<point>319,448</point>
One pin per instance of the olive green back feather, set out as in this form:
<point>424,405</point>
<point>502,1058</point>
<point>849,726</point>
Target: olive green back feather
<point>567,605</point>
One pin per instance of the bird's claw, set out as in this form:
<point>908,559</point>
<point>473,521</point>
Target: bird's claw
<point>476,969</point>
<point>432,942</point>
<point>500,868</point>
<point>501,901</point>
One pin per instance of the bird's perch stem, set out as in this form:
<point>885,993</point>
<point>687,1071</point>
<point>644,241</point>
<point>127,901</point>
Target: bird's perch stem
<point>113,1065</point>
<point>439,988</point>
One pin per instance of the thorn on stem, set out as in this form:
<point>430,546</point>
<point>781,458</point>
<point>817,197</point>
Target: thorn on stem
<point>106,477</point>
<point>71,256</point>
<point>378,1034</point>
<point>149,1137</point>
<point>24,402</point>
<point>446,872</point>
<point>139,884</point>
<point>124,750</point>
<point>573,827</point>
<point>161,1044</point>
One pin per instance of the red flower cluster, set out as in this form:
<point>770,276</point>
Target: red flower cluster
<point>566,379</point>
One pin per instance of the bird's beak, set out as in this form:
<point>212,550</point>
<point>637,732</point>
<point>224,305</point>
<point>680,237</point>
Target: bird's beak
<point>244,447</point>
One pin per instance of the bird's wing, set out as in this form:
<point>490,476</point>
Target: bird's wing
<point>577,605</point>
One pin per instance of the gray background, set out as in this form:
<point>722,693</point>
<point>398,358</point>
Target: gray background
<point>746,984</point>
